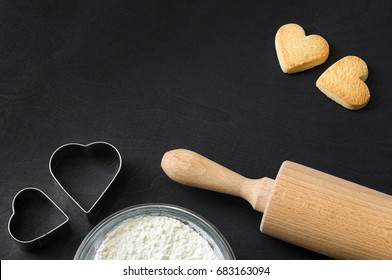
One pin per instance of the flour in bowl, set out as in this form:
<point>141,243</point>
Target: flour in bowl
<point>155,238</point>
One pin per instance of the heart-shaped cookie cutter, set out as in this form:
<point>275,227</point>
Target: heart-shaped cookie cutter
<point>42,228</point>
<point>85,172</point>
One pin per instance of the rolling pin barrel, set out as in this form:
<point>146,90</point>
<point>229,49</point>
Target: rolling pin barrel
<point>329,215</point>
<point>303,206</point>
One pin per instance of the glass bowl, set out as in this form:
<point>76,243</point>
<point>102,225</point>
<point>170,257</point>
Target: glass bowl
<point>91,243</point>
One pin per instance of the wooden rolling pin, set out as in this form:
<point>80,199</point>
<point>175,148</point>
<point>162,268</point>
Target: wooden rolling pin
<point>303,206</point>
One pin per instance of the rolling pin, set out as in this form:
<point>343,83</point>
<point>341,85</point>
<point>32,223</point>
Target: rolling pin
<point>303,206</point>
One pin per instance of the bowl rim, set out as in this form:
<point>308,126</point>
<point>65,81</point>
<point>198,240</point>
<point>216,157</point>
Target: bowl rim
<point>171,210</point>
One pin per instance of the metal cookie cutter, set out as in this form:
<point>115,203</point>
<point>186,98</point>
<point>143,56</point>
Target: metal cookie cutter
<point>36,220</point>
<point>85,172</point>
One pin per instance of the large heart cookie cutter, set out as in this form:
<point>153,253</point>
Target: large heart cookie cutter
<point>85,172</point>
<point>36,220</point>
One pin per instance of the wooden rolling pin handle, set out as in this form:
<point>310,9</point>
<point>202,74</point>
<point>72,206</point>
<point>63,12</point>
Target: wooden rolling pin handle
<point>192,169</point>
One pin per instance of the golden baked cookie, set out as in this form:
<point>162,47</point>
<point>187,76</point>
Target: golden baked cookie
<point>297,52</point>
<point>344,82</point>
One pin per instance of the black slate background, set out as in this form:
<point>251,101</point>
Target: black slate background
<point>150,76</point>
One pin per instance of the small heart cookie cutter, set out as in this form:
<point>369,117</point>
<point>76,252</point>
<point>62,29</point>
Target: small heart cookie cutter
<point>36,234</point>
<point>79,170</point>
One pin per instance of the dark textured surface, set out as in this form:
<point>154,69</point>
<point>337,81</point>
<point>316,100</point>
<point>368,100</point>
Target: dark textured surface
<point>150,76</point>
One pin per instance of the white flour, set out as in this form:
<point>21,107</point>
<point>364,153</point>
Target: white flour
<point>154,238</point>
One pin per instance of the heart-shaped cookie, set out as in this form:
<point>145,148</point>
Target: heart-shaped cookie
<point>344,82</point>
<point>297,52</point>
<point>36,220</point>
<point>85,172</point>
